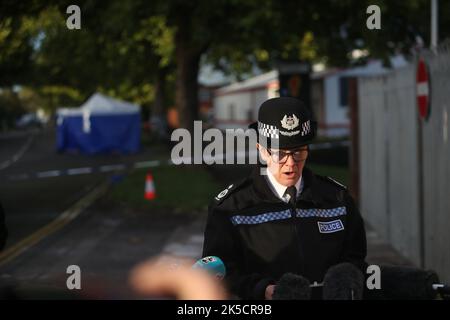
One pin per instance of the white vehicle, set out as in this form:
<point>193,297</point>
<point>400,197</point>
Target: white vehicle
<point>30,120</point>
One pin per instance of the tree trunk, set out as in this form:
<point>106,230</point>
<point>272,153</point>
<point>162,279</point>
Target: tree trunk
<point>158,117</point>
<point>186,97</point>
<point>188,53</point>
<point>159,105</point>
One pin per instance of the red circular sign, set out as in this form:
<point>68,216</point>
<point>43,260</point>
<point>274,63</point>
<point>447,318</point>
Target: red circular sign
<point>423,89</point>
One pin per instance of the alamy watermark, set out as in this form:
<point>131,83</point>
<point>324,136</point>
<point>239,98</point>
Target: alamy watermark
<point>74,280</point>
<point>374,20</point>
<point>373,281</point>
<point>214,146</point>
<point>74,20</point>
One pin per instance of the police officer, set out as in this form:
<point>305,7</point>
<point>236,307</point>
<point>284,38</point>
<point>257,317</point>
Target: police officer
<point>284,219</point>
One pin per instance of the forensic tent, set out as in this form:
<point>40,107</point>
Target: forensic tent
<point>101,125</point>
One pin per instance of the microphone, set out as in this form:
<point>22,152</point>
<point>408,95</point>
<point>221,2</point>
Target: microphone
<point>292,287</point>
<point>343,281</point>
<point>409,283</point>
<point>212,264</point>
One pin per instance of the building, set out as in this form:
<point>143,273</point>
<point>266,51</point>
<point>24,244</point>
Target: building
<point>236,105</point>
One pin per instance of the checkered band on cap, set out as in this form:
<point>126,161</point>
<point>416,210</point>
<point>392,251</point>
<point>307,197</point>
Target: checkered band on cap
<point>268,130</point>
<point>306,128</point>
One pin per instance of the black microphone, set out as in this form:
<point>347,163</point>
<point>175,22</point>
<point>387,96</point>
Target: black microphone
<point>410,283</point>
<point>443,290</point>
<point>292,287</point>
<point>343,281</point>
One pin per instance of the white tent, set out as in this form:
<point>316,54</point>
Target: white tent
<point>99,103</point>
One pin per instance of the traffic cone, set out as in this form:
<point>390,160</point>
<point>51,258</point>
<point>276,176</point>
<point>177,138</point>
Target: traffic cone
<point>150,193</point>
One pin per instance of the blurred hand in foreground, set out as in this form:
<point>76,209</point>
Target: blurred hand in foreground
<point>171,276</point>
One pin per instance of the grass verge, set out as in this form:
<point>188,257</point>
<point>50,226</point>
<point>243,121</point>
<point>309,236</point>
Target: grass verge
<point>178,189</point>
<point>185,189</point>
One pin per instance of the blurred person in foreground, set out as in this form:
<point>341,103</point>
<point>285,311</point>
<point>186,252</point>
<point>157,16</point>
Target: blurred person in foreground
<point>171,277</point>
<point>284,219</point>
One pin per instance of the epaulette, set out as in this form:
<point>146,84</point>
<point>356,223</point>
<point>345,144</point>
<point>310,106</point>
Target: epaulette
<point>337,183</point>
<point>229,190</point>
<point>334,182</point>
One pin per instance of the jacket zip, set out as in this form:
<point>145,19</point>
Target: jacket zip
<point>297,237</point>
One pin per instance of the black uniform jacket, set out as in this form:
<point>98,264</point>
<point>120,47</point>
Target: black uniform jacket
<point>259,237</point>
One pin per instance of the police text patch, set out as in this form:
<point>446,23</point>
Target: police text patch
<point>331,226</point>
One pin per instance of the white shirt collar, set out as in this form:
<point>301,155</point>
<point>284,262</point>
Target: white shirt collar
<point>280,189</point>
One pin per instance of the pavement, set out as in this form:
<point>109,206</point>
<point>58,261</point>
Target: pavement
<point>380,252</point>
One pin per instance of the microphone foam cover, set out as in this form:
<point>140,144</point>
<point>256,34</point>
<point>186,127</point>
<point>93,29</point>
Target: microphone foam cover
<point>400,282</point>
<point>292,287</point>
<point>343,281</point>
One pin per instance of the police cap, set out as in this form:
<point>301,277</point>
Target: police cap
<point>284,123</point>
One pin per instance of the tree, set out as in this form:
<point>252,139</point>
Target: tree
<point>131,49</point>
<point>124,56</point>
<point>16,40</point>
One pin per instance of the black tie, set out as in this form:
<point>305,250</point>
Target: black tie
<point>292,192</point>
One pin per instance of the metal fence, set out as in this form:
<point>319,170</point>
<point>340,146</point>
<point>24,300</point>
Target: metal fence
<point>405,162</point>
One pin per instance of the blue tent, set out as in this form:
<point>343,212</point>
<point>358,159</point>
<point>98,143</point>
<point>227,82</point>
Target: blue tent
<point>100,125</point>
